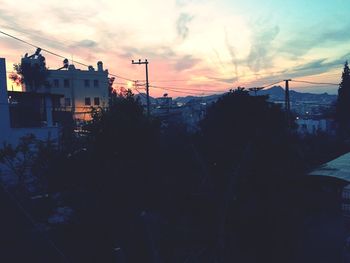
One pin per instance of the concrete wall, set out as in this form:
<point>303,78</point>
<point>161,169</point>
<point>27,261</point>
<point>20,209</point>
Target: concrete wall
<point>307,126</point>
<point>4,107</point>
<point>12,135</point>
<point>78,90</point>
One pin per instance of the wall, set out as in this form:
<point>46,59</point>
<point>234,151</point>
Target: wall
<point>12,135</point>
<point>78,91</point>
<point>4,107</point>
<point>309,126</point>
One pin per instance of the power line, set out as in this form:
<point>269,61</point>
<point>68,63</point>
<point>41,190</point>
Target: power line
<point>315,83</point>
<point>269,85</point>
<point>118,76</point>
<point>187,89</point>
<point>56,54</point>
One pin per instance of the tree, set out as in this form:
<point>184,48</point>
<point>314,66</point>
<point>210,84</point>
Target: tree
<point>32,72</point>
<point>236,119</point>
<point>119,171</point>
<point>343,103</point>
<point>253,161</point>
<point>29,159</point>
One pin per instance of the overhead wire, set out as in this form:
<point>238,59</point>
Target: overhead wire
<point>174,89</point>
<point>315,83</point>
<point>56,54</point>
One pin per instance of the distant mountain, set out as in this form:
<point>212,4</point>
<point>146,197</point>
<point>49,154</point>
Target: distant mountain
<point>193,99</point>
<point>277,93</point>
<point>143,98</point>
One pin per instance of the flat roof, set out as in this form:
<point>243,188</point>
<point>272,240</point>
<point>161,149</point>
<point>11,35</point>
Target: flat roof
<point>337,168</point>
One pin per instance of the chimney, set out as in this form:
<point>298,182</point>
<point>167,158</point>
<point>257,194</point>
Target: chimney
<point>100,66</point>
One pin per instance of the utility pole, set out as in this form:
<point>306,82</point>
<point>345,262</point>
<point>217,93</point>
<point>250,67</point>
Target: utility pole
<point>287,101</point>
<point>147,83</point>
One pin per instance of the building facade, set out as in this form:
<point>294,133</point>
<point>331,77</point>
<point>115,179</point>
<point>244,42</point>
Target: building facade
<point>26,113</point>
<point>81,89</point>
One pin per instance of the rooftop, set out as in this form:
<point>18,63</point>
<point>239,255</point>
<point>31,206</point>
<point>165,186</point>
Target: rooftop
<point>337,168</point>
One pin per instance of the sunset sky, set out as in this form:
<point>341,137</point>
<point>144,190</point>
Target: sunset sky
<point>201,46</point>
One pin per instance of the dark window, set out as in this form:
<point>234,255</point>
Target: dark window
<point>95,83</point>
<point>66,83</point>
<point>56,83</point>
<point>86,83</point>
<point>87,101</point>
<point>97,101</point>
<point>67,102</point>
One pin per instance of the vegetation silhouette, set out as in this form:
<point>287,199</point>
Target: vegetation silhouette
<point>233,192</point>
<point>343,104</point>
<point>32,72</point>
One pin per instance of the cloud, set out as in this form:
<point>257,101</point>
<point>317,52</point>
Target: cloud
<point>232,53</point>
<point>317,66</point>
<point>304,41</point>
<point>314,67</point>
<point>85,43</point>
<point>182,25</point>
<point>164,52</point>
<point>225,80</point>
<point>260,52</point>
<point>186,62</point>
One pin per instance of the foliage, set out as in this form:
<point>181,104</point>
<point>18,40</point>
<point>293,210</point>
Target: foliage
<point>32,72</point>
<point>110,85</point>
<point>251,155</point>
<point>30,157</point>
<point>343,103</point>
<point>236,120</point>
<point>115,131</point>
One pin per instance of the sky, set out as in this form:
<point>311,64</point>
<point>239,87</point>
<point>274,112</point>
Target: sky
<point>194,47</point>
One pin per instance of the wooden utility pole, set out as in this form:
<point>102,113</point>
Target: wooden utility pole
<point>287,101</point>
<point>147,83</point>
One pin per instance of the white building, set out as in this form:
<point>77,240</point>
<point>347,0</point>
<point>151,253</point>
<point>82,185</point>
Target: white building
<point>42,130</point>
<point>82,89</point>
<point>310,126</point>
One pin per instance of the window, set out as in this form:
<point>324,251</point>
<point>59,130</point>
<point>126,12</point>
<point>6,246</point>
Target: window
<point>56,83</point>
<point>87,101</point>
<point>86,83</point>
<point>66,83</point>
<point>95,83</point>
<point>97,101</point>
<point>67,102</point>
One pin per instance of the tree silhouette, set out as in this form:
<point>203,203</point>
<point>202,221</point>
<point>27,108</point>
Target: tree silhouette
<point>120,160</point>
<point>32,72</point>
<point>234,120</point>
<point>343,103</point>
<point>253,160</point>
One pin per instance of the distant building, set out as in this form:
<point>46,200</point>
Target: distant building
<point>81,89</point>
<point>177,114</point>
<point>24,113</point>
<point>314,126</point>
